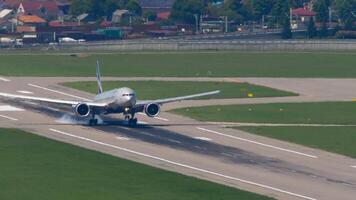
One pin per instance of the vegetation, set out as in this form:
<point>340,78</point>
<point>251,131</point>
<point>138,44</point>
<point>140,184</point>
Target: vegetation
<point>35,168</point>
<point>279,113</point>
<point>184,64</point>
<point>164,89</point>
<point>238,11</point>
<point>103,8</point>
<point>187,11</point>
<point>312,31</point>
<point>339,140</point>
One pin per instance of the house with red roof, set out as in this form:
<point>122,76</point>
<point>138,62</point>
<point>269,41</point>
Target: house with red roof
<point>163,15</point>
<point>46,9</point>
<point>303,14</point>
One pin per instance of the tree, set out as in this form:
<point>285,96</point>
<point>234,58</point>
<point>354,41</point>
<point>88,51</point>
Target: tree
<point>321,7</point>
<point>347,12</point>
<point>79,7</point>
<point>286,32</point>
<point>238,10</point>
<point>134,6</point>
<point>323,32</point>
<point>150,16</point>
<point>312,32</point>
<point>184,10</point>
<point>280,12</point>
<point>262,7</point>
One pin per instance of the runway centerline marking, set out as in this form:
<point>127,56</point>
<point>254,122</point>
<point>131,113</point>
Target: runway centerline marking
<point>257,143</point>
<point>7,117</point>
<point>159,118</point>
<point>162,119</point>
<point>58,92</point>
<point>354,166</point>
<point>4,79</point>
<point>122,138</point>
<point>24,92</point>
<point>53,109</point>
<point>203,138</point>
<point>9,108</point>
<point>184,165</point>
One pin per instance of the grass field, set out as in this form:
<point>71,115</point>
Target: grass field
<point>192,64</point>
<point>164,89</point>
<point>340,140</point>
<point>35,168</point>
<point>293,113</point>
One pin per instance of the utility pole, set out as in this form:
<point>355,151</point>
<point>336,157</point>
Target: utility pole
<point>196,23</point>
<point>329,16</point>
<point>226,25</point>
<point>290,16</point>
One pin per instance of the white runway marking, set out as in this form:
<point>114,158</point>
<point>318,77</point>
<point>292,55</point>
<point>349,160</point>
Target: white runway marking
<point>32,103</point>
<point>354,166</point>
<point>55,91</point>
<point>122,138</point>
<point>24,92</point>
<point>4,79</point>
<point>7,117</point>
<point>159,118</point>
<point>8,108</point>
<point>54,109</point>
<point>258,143</point>
<point>203,138</point>
<point>185,165</point>
<point>162,119</point>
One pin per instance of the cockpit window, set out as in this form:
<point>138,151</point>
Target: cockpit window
<point>128,95</point>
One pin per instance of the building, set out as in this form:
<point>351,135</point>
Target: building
<point>156,6</point>
<point>31,20</point>
<point>303,14</point>
<point>120,16</point>
<point>6,13</point>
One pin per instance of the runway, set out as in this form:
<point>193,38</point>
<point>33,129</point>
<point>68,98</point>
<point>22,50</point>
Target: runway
<point>207,151</point>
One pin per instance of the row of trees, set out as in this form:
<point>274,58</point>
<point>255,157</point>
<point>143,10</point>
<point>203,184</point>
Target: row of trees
<point>188,11</point>
<point>277,11</point>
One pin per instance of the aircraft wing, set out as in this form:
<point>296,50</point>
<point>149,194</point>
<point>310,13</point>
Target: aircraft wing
<point>47,100</point>
<point>141,104</point>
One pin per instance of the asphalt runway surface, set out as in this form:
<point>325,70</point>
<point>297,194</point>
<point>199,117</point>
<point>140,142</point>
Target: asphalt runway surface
<point>207,151</point>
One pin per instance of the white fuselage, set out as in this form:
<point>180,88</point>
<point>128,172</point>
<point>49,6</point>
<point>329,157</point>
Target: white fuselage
<point>117,100</point>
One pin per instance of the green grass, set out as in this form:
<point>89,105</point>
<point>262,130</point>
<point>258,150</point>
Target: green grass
<point>298,113</point>
<point>184,64</point>
<point>164,89</point>
<point>35,168</point>
<point>339,140</point>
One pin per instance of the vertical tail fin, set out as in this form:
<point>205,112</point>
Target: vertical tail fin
<point>98,77</point>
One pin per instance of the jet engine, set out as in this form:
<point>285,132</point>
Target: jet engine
<point>152,110</point>
<point>82,109</point>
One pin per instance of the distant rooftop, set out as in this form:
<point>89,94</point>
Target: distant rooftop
<point>31,19</point>
<point>303,12</point>
<point>156,3</point>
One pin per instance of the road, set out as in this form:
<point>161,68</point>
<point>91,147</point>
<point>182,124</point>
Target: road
<point>207,151</point>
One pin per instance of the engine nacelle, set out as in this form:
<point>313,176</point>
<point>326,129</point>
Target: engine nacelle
<point>152,110</point>
<point>82,109</point>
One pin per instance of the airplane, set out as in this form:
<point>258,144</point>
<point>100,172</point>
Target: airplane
<point>120,100</point>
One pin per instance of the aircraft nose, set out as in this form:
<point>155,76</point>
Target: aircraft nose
<point>131,99</point>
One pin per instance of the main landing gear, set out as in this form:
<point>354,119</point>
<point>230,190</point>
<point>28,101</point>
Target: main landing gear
<point>93,121</point>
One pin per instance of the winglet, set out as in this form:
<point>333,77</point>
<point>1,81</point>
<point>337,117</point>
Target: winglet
<point>98,77</point>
